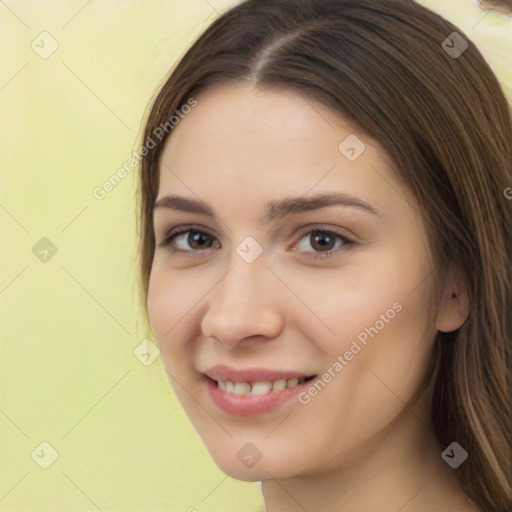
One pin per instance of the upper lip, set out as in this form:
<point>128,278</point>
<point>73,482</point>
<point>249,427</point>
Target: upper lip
<point>222,372</point>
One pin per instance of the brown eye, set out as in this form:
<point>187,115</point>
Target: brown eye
<point>323,242</point>
<point>188,240</point>
<point>197,240</point>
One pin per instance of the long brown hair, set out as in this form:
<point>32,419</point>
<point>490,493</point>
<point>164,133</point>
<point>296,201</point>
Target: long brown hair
<point>398,72</point>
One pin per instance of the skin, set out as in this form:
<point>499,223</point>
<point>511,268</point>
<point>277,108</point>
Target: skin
<point>362,443</point>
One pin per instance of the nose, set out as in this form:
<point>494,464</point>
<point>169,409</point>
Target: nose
<point>246,303</point>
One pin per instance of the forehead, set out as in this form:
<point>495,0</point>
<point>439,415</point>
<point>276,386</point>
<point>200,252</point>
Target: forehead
<point>264,144</point>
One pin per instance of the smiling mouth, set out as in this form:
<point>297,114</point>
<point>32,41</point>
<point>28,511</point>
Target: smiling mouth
<point>263,387</point>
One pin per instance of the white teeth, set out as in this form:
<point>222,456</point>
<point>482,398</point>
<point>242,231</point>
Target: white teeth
<point>292,383</point>
<point>279,385</point>
<point>242,388</point>
<point>261,388</point>
<point>258,388</point>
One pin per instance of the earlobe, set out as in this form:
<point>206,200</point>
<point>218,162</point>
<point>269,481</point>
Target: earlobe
<point>453,307</point>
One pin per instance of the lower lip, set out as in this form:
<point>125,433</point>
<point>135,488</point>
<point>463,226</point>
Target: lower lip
<point>251,405</point>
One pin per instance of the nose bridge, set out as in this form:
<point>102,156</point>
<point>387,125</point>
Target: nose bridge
<point>243,283</point>
<point>242,304</point>
<point>246,269</point>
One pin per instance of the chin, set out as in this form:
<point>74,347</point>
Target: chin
<point>263,469</point>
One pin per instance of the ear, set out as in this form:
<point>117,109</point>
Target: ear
<point>453,306</point>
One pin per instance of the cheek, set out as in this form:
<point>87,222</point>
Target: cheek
<point>360,300</point>
<point>382,331</point>
<point>159,304</point>
<point>388,366</point>
<point>371,385</point>
<point>169,301</point>
<point>400,353</point>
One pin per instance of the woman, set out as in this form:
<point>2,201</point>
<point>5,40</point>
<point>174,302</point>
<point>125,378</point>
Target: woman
<point>325,234</point>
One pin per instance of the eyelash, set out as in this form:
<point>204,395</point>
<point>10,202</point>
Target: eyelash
<point>316,256</point>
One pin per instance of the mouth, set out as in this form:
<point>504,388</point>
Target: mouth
<point>263,387</point>
<point>253,392</point>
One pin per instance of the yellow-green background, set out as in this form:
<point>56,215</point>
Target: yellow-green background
<point>68,374</point>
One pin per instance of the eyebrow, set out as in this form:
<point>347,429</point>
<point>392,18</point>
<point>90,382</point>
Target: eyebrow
<point>276,209</point>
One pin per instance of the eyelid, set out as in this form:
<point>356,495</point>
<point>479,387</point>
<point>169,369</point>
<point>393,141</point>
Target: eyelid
<point>309,228</point>
<point>315,226</point>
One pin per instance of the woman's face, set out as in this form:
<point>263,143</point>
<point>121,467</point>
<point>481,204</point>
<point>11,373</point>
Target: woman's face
<point>243,289</point>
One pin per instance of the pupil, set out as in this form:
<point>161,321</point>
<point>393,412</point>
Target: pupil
<point>320,236</point>
<point>196,237</point>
